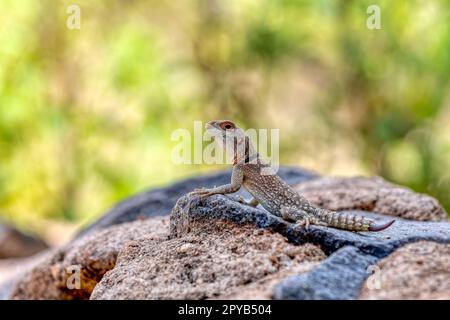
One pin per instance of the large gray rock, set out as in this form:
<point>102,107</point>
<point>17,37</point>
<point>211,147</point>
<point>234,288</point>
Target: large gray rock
<point>93,255</point>
<point>339,277</point>
<point>214,260</point>
<point>220,248</point>
<point>419,270</point>
<point>95,251</point>
<point>137,260</point>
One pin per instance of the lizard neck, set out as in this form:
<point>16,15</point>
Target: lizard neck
<point>245,153</point>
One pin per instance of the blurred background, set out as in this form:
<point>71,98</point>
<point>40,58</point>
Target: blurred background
<point>86,115</point>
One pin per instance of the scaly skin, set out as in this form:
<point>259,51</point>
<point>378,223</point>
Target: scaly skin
<point>269,190</point>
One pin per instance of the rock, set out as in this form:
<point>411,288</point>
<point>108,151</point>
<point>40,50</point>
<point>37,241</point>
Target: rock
<point>5,288</point>
<point>214,259</point>
<point>379,244</point>
<point>420,270</point>
<point>159,202</point>
<point>262,289</point>
<point>371,194</point>
<point>93,255</point>
<point>48,280</point>
<point>352,252</point>
<point>12,271</point>
<point>338,277</point>
<point>217,248</point>
<point>15,244</point>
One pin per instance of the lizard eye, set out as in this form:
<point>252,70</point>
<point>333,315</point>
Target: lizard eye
<point>227,125</point>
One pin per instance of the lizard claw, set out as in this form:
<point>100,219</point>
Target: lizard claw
<point>303,223</point>
<point>306,224</point>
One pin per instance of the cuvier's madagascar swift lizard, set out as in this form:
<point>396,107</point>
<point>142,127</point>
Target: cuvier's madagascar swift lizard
<point>275,195</point>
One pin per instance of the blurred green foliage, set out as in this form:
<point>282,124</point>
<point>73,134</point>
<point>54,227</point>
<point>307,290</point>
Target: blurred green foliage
<point>86,115</point>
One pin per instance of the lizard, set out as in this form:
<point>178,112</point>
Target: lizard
<point>269,190</point>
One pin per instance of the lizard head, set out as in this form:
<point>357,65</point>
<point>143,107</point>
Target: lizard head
<point>230,138</point>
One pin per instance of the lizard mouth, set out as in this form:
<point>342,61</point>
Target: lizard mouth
<point>210,125</point>
<point>211,130</point>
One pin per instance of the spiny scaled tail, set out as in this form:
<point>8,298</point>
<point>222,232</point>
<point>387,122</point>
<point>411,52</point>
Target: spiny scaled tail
<point>351,222</point>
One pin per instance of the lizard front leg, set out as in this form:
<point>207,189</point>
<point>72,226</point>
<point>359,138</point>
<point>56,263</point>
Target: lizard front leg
<point>237,177</point>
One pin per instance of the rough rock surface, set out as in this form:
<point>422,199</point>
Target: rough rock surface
<point>15,244</point>
<point>199,267</point>
<point>11,270</point>
<point>341,276</point>
<point>219,248</point>
<point>94,254</point>
<point>332,279</point>
<point>419,270</point>
<point>159,202</point>
<point>371,194</point>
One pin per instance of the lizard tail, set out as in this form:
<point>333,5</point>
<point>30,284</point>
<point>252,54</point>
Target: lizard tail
<point>381,226</point>
<point>353,222</point>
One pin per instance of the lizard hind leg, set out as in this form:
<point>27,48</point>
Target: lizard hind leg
<point>303,223</point>
<point>290,214</point>
<point>301,218</point>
